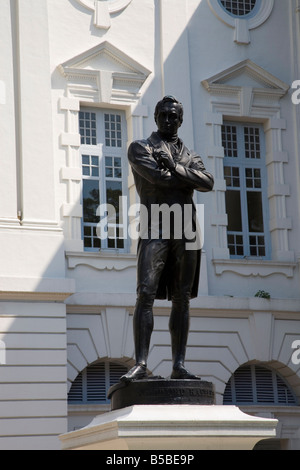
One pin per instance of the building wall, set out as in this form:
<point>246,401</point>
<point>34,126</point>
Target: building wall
<point>63,308</point>
<point>32,273</point>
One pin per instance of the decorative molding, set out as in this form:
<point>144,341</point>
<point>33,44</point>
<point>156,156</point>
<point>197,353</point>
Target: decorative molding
<point>104,74</point>
<point>241,25</point>
<point>91,336</point>
<point>246,90</point>
<point>36,289</point>
<point>254,268</point>
<point>259,82</point>
<point>101,261</point>
<point>103,9</point>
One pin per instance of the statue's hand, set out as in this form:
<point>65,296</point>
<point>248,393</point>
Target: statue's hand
<point>165,160</point>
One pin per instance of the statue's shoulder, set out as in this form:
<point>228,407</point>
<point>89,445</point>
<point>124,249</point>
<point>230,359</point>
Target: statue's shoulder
<point>138,146</point>
<point>143,145</point>
<point>138,149</point>
<point>139,143</point>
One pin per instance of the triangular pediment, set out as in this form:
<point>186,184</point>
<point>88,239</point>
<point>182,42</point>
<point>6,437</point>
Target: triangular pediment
<point>245,74</point>
<point>104,74</point>
<point>105,57</point>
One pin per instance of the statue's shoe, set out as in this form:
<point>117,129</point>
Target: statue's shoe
<point>182,373</point>
<point>137,372</point>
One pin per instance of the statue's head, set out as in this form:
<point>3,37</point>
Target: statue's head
<point>171,110</point>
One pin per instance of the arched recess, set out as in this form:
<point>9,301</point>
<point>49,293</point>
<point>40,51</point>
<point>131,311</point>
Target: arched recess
<point>93,336</point>
<point>92,384</point>
<point>278,376</point>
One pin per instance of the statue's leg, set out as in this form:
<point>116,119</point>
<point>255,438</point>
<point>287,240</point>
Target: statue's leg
<point>179,329</point>
<point>185,263</point>
<point>152,256</point>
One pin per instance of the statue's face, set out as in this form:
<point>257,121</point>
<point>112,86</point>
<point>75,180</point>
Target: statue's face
<point>168,119</point>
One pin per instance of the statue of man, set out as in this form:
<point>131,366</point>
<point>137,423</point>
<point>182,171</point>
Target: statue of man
<point>166,172</point>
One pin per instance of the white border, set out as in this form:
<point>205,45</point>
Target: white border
<point>242,25</point>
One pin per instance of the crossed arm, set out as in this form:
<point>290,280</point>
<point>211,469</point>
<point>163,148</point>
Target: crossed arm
<point>160,169</point>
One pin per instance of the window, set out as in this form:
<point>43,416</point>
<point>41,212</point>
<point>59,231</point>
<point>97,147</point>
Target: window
<point>256,385</point>
<point>242,15</point>
<point>240,8</point>
<point>103,158</point>
<point>246,196</point>
<point>92,384</point>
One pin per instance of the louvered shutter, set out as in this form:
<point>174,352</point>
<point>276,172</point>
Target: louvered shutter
<point>264,385</point>
<point>76,391</point>
<point>95,383</point>
<point>285,396</point>
<point>92,384</point>
<point>243,385</point>
<point>257,385</point>
<point>227,398</point>
<point>115,372</point>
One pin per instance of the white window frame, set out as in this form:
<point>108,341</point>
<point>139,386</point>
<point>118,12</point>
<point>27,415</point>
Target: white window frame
<point>259,102</point>
<point>93,78</point>
<point>101,150</point>
<point>241,162</point>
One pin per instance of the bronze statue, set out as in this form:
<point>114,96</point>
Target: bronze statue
<point>166,172</point>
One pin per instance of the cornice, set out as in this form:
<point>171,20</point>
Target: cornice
<point>221,81</point>
<point>106,72</point>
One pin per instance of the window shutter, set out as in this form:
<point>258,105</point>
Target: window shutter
<point>115,372</point>
<point>92,384</point>
<point>264,385</point>
<point>285,397</point>
<point>243,385</point>
<point>76,393</point>
<point>227,398</point>
<point>257,385</point>
<point>95,383</point>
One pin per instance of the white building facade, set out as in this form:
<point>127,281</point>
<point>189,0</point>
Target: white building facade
<point>79,80</point>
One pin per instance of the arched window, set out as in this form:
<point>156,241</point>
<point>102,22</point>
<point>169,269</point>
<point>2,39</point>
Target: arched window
<point>257,385</point>
<point>92,384</point>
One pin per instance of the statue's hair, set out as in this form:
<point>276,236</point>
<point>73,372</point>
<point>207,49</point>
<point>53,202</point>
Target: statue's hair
<point>170,99</point>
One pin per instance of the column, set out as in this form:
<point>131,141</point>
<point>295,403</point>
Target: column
<point>35,119</point>
<point>8,131</point>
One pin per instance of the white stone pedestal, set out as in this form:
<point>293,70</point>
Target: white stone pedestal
<point>171,427</point>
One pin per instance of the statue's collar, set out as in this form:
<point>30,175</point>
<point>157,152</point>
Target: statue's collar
<point>157,142</point>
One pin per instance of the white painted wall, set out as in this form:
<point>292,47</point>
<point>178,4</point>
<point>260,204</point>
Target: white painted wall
<point>178,44</point>
<point>33,380</point>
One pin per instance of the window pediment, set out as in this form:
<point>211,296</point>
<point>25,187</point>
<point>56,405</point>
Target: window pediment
<point>246,74</point>
<point>106,71</point>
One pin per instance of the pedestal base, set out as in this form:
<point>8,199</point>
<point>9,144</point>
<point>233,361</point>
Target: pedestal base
<point>172,427</point>
<point>159,391</point>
